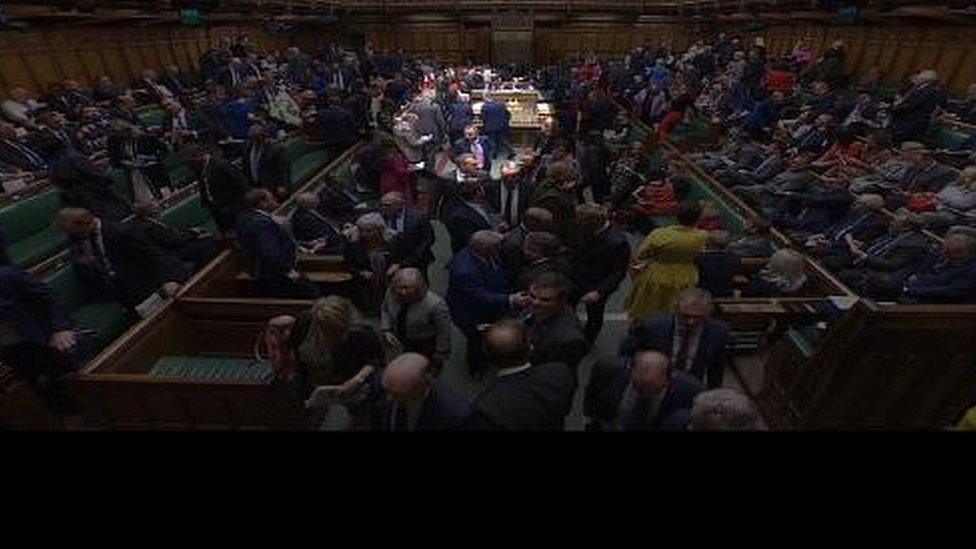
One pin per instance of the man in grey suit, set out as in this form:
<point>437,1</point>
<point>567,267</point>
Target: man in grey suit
<point>430,119</point>
<point>409,139</point>
<point>416,318</point>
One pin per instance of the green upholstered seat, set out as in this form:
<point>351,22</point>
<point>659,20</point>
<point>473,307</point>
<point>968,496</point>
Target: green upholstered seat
<point>945,137</point>
<point>212,369</point>
<point>154,117</point>
<point>27,228</point>
<point>307,166</point>
<point>180,175</point>
<point>109,320</point>
<point>188,213</point>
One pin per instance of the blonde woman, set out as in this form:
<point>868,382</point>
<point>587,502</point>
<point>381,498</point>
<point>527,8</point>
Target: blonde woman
<point>334,348</point>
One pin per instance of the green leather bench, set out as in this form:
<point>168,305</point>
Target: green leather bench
<point>27,227</point>
<point>189,213</point>
<point>946,137</point>
<point>154,117</point>
<point>306,160</point>
<point>107,319</point>
<point>201,368</point>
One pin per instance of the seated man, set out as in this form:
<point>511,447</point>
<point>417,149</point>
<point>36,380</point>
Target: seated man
<point>690,337</point>
<point>639,393</point>
<point>863,223</point>
<point>755,242</point>
<point>880,267</point>
<point>194,246</point>
<point>270,249</point>
<point>314,229</point>
<point>814,211</point>
<point>416,318</point>
<point>413,401</point>
<point>117,260</point>
<point>717,266</point>
<point>784,276</point>
<point>37,339</point>
<point>924,175</point>
<point>951,279</point>
<point>555,332</point>
<point>523,396</point>
<point>18,154</point>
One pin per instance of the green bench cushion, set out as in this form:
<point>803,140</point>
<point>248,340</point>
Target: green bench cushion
<point>154,117</point>
<point>29,216</point>
<point>307,166</point>
<point>109,320</point>
<point>212,369</point>
<point>188,213</point>
<point>949,138</point>
<point>30,251</point>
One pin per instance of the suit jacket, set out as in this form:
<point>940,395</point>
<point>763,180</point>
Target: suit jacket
<point>716,270</point>
<point>411,247</point>
<point>904,252</point>
<point>21,155</point>
<point>273,167</point>
<point>657,332</point>
<point>558,339</point>
<point>141,267</point>
<point>493,192</point>
<point>461,116</point>
<point>428,322</point>
<point>477,293</point>
<point>535,399</point>
<point>82,185</point>
<point>442,410</point>
<point>912,117</point>
<point>944,283</point>
<point>431,120</point>
<point>495,117</point>
<point>335,126</point>
<point>408,141</point>
<point>461,146</point>
<point>30,307</point>
<point>608,382</point>
<point>529,271</point>
<point>601,261</point>
<point>512,255</point>
<point>268,246</point>
<point>222,190</point>
<point>308,225</point>
<point>462,222</point>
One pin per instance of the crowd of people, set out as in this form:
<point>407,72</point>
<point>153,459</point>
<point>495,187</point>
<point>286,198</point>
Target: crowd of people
<point>536,232</point>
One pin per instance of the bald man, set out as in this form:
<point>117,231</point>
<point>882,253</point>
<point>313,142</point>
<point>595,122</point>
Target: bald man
<point>479,293</point>
<point>639,393</point>
<point>521,396</point>
<point>412,401</point>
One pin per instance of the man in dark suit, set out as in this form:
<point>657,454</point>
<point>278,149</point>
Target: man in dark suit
<point>314,228</point>
<point>222,187</point>
<point>468,214</point>
<point>430,118</point>
<point>521,396</point>
<point>267,163</point>
<point>335,126</point>
<point>119,261</point>
<point>693,341</point>
<point>36,337</point>
<point>231,75</point>
<point>879,268</point>
<point>270,249</point>
<point>81,184</point>
<point>911,114</point>
<point>479,146</point>
<point>18,154</point>
<point>555,332</point>
<point>599,263</point>
<point>638,393</point>
<point>542,253</point>
<point>461,116</point>
<point>413,234</point>
<point>510,196</point>
<point>495,120</point>
<point>534,220</point>
<point>952,278</point>
<point>412,400</point>
<point>194,246</point>
<point>478,292</point>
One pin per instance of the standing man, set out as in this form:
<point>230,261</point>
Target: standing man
<point>511,195</point>
<point>413,401</point>
<point>521,396</point>
<point>413,235</point>
<point>416,318</point>
<point>222,187</point>
<point>600,264</point>
<point>267,163</point>
<point>476,145</point>
<point>554,331</point>
<point>495,120</point>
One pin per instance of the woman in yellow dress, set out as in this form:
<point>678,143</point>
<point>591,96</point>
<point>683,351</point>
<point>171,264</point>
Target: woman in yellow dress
<point>666,264</point>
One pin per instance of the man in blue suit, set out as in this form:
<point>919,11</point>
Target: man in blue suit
<point>952,279</point>
<point>693,341</point>
<point>639,393</point>
<point>412,400</point>
<point>478,292</point>
<point>495,120</point>
<point>461,116</point>
<point>477,145</point>
<point>270,249</point>
<point>36,337</point>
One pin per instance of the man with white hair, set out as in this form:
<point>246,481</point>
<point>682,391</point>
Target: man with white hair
<point>413,401</point>
<point>723,410</point>
<point>911,114</point>
<point>416,318</point>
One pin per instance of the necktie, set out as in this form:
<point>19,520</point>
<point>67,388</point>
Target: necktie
<point>507,213</point>
<point>98,248</point>
<point>681,353</point>
<point>479,153</point>
<point>400,423</point>
<point>401,322</point>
